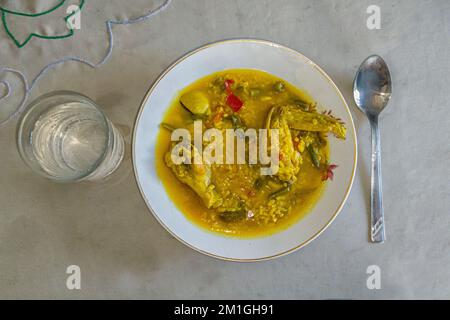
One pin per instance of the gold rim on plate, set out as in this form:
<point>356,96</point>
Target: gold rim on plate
<point>184,57</point>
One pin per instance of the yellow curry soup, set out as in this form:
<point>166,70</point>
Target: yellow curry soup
<point>235,199</point>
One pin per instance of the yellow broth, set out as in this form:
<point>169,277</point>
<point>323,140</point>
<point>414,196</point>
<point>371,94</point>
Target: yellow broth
<point>240,179</point>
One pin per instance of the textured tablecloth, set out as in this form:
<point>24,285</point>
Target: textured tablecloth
<point>106,228</point>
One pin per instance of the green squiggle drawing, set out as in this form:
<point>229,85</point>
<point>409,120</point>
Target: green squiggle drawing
<point>5,12</point>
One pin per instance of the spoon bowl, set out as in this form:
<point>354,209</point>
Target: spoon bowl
<point>372,91</point>
<point>373,86</point>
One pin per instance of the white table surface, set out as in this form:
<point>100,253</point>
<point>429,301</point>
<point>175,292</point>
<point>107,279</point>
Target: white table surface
<point>121,249</point>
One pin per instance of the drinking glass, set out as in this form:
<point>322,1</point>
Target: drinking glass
<point>64,136</point>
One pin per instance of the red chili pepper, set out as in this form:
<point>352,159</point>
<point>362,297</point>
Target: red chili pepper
<point>233,101</point>
<point>228,84</point>
<point>329,174</point>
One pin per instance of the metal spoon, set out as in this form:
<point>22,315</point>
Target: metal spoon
<point>372,90</point>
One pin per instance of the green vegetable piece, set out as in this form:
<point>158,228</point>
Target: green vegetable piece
<point>314,156</point>
<point>219,82</point>
<point>259,183</point>
<point>279,86</point>
<point>302,105</point>
<point>236,121</point>
<point>232,216</point>
<point>280,192</point>
<point>195,102</point>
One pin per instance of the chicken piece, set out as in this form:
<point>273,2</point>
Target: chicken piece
<point>198,177</point>
<point>288,117</point>
<point>307,121</point>
<point>290,159</point>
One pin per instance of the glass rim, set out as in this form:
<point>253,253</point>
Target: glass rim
<point>29,109</point>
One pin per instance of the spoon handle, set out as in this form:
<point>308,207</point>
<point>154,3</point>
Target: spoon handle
<point>377,232</point>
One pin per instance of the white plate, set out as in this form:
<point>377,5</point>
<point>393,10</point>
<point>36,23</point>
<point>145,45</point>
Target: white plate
<point>250,54</point>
